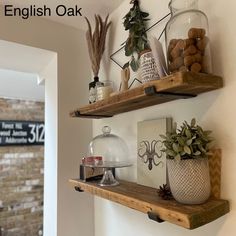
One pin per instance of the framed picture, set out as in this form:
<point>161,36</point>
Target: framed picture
<point>151,161</point>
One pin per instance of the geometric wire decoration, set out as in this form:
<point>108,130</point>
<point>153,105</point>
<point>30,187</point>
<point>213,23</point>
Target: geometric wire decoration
<point>152,26</point>
<point>122,47</point>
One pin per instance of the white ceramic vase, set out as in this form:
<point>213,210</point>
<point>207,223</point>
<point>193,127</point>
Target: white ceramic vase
<point>189,180</point>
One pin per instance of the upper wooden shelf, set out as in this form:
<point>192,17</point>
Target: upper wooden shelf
<point>146,200</point>
<point>176,86</point>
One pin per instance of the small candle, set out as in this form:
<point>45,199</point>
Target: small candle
<point>104,91</point>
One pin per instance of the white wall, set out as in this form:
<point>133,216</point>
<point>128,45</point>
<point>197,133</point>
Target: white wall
<point>74,210</point>
<point>51,148</point>
<point>213,110</point>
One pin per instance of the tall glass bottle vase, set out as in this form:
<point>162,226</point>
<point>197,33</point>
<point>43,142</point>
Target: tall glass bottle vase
<point>187,41</point>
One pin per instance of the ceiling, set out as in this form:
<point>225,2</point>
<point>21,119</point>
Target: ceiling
<point>23,58</point>
<point>89,9</point>
<point>20,85</point>
<point>20,70</point>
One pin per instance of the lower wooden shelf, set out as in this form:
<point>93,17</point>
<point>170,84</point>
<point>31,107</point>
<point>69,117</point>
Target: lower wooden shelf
<point>146,200</point>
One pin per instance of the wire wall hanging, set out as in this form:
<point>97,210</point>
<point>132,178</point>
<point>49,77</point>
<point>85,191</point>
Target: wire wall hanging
<point>122,47</point>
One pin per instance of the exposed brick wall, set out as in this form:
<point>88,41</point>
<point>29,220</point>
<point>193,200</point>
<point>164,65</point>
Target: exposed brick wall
<point>21,175</point>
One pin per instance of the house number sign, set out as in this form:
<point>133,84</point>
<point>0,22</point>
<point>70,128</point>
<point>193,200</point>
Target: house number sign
<point>21,133</point>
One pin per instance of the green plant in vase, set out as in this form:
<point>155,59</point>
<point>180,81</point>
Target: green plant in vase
<point>188,142</point>
<point>137,42</point>
<point>187,150</point>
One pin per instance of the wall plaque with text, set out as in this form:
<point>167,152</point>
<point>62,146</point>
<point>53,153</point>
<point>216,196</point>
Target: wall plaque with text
<point>21,133</point>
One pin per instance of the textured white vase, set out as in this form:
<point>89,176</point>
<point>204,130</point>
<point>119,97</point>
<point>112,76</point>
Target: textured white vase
<point>189,180</point>
<point>148,67</point>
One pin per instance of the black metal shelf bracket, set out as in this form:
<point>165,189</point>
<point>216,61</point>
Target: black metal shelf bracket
<point>150,91</point>
<point>155,217</point>
<point>78,189</point>
<point>78,114</point>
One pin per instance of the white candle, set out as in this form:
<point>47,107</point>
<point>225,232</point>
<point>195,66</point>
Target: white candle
<point>104,92</point>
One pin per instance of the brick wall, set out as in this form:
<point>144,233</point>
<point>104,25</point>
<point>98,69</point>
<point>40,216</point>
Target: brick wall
<point>21,175</point>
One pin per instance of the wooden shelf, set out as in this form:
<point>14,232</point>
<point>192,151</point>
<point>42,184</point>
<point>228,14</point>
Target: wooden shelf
<point>176,86</point>
<point>146,200</point>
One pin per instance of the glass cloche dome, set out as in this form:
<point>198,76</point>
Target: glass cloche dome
<point>110,146</point>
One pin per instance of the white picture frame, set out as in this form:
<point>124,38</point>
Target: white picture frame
<point>151,161</point>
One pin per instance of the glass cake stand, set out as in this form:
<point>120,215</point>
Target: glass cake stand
<point>108,178</point>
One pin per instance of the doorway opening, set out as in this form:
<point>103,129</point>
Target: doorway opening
<point>28,171</point>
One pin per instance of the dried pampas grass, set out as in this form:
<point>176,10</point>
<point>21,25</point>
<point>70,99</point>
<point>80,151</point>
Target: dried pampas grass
<point>96,41</point>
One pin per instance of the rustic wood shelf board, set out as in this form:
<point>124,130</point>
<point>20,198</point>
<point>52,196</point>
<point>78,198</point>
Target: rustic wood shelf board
<point>146,200</point>
<point>176,86</point>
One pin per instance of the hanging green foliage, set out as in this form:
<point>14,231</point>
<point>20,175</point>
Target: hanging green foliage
<point>135,22</point>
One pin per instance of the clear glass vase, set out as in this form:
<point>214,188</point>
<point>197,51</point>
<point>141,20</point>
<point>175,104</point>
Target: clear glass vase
<point>187,41</point>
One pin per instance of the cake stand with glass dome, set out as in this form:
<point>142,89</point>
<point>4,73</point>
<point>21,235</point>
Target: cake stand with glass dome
<point>108,178</point>
<point>114,153</point>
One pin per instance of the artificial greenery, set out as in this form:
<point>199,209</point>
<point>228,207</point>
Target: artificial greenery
<point>188,142</point>
<point>135,23</point>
